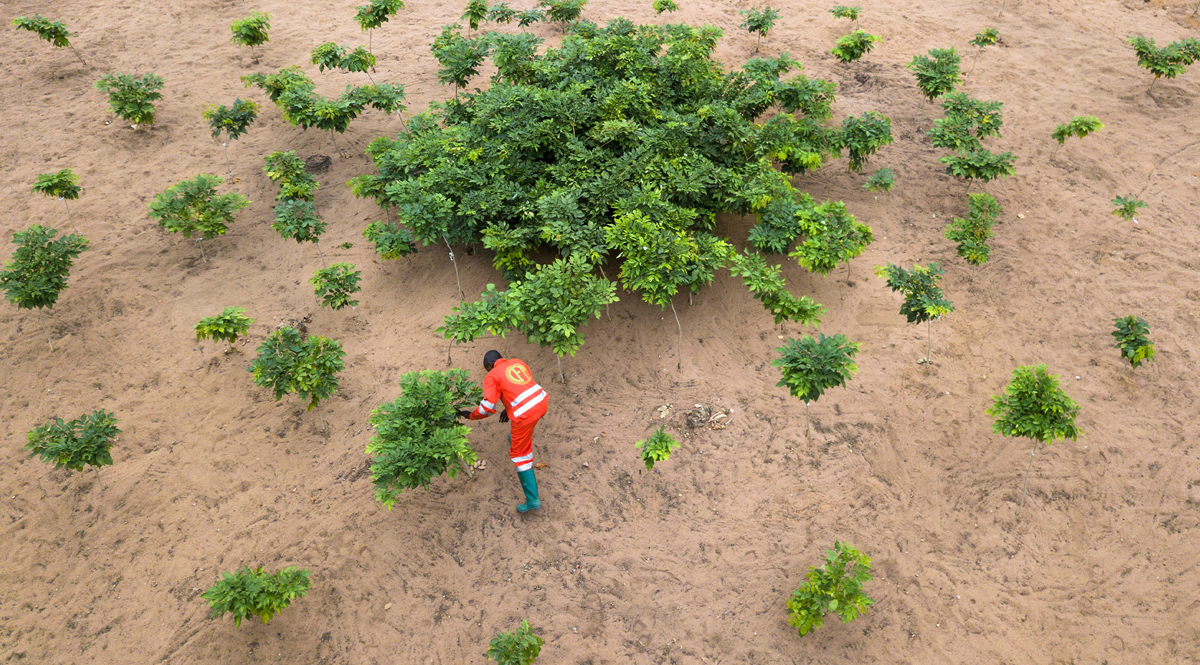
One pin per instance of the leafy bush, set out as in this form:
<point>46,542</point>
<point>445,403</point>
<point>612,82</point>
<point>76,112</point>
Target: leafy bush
<point>131,99</point>
<point>226,326</point>
<point>253,593</point>
<point>87,440</point>
<point>810,366</point>
<point>832,236</point>
<point>982,119</point>
<point>54,32</point>
<point>1169,61</point>
<point>287,363</point>
<point>298,220</point>
<point>328,55</point>
<point>376,13</point>
<point>657,448</point>
<point>193,206</point>
<point>853,46</point>
<point>529,17</point>
<point>766,284</point>
<point>988,37</point>
<point>252,30</point>
<point>501,13</point>
<point>979,165</point>
<point>863,135</point>
<point>834,587</point>
<point>937,74</point>
<point>295,183</point>
<point>392,241</point>
<point>972,233</point>
<point>336,285</point>
<point>233,121</point>
<point>38,271</point>
<point>1080,126</point>
<point>661,6</point>
<point>1127,207</point>
<point>63,185</point>
<point>563,11</point>
<point>849,13</point>
<point>460,57</point>
<point>417,436</point>
<point>882,180</point>
<point>1135,346</point>
<point>519,647</point>
<point>924,300</point>
<point>759,21</point>
<point>476,13</point>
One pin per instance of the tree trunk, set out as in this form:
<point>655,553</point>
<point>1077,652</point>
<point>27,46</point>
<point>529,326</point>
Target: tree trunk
<point>77,55</point>
<point>99,480</point>
<point>228,171</point>
<point>466,469</point>
<point>461,296</point>
<point>41,321</point>
<point>1025,490</point>
<point>976,60</point>
<point>807,425</point>
<point>929,341</point>
<point>448,347</point>
<point>679,342</point>
<point>68,207</point>
<point>1151,90</point>
<point>560,372</point>
<point>335,145</point>
<point>202,254</point>
<point>607,311</point>
<point>319,254</point>
<point>321,417</point>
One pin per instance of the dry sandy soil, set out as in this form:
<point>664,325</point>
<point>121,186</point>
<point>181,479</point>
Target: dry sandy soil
<point>690,563</point>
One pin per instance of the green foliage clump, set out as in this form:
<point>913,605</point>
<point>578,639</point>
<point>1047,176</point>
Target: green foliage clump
<point>972,233</point>
<point>294,94</point>
<point>339,56</point>
<point>252,30</point>
<point>501,13</point>
<point>862,136</point>
<point>253,593</point>
<point>459,56</point>
<point>979,165</point>
<point>661,6</point>
<point>810,366</point>
<point>834,587</point>
<point>86,440</point>
<point>288,362</point>
<point>226,326</point>
<point>563,11</point>
<point>132,99</point>
<point>766,284</point>
<point>1135,346</point>
<point>233,121</point>
<point>967,122</point>
<point>938,73</point>
<point>849,13</point>
<point>832,236</point>
<point>297,219</point>
<point>528,17</point>
<point>336,285</point>
<point>376,13</point>
<point>924,300</point>
<point>295,183</point>
<point>988,37</point>
<point>657,448</point>
<point>519,647</point>
<point>855,45</point>
<point>392,241</point>
<point>417,436</point>
<point>981,119</point>
<point>758,21</point>
<point>1169,61</point>
<point>38,271</point>
<point>476,13</point>
<point>1080,126</point>
<point>882,180</point>
<point>1127,207</point>
<point>54,32</point>
<point>62,184</point>
<point>193,206</point>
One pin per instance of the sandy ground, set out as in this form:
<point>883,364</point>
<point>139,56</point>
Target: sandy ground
<point>690,563</point>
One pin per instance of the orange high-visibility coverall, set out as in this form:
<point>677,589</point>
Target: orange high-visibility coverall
<point>511,382</point>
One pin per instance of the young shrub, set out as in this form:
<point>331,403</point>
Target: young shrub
<point>766,284</point>
<point>275,85</point>
<point>251,31</point>
<point>295,183</point>
<point>979,165</point>
<point>519,647</point>
<point>287,363</point>
<point>63,185</point>
<point>1135,346</point>
<point>563,11</point>
<point>193,206</point>
<point>661,6</point>
<point>810,366</point>
<point>759,22</point>
<point>1080,126</point>
<point>460,57</point>
<point>226,326</point>
<point>1033,406</point>
<point>937,74</point>
<point>328,56</point>
<point>296,219</point>
<point>972,233</point>
<point>233,122</point>
<point>831,236</point>
<point>131,99</point>
<point>336,285</point>
<point>392,241</point>
<point>529,17</point>
<point>1169,61</point>
<point>982,119</point>
<point>853,46</point>
<point>54,32</point>
<point>982,40</point>
<point>848,13</point>
<point>87,440</point>
<point>863,135</point>
<point>501,13</point>
<point>360,61</point>
<point>657,448</point>
<point>253,593</point>
<point>476,13</point>
<point>924,300</point>
<point>882,180</point>
<point>834,587</point>
<point>376,13</point>
<point>1127,207</point>
<point>417,436</point>
<point>514,56</point>
<point>38,271</point>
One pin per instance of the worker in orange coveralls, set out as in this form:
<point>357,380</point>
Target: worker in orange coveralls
<point>510,383</point>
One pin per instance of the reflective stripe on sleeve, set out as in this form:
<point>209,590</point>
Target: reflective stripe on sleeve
<point>525,395</point>
<point>530,404</point>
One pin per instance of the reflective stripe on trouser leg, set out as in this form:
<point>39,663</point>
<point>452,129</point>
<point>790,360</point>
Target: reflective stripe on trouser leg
<point>520,449</point>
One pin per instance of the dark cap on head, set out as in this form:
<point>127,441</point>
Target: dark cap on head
<point>491,357</point>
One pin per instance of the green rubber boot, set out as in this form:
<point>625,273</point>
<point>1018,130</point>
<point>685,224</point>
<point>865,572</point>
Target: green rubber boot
<point>529,484</point>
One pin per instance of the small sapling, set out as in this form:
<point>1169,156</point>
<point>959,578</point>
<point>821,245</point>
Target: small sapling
<point>288,362</point>
<point>657,448</point>
<point>460,58</point>
<point>371,16</point>
<point>1127,207</point>
<point>563,11</point>
<point>417,435</point>
<point>972,233</point>
<point>476,13</point>
<point>360,60</point>
<point>882,180</point>
<point>528,17</point>
<point>253,593</point>
<point>233,122</point>
<point>848,13</point>
<point>132,99</point>
<point>63,185</point>
<point>1033,406</point>
<point>296,219</point>
<point>39,268</point>
<point>834,587</point>
<point>336,285</point>
<point>759,21</point>
<point>982,165</point>
<point>295,183</point>
<point>392,241</point>
<point>862,135</point>
<point>924,300</point>
<point>224,327</point>
<point>810,366</point>
<point>1169,61</point>
<point>982,40</point>
<point>853,46</point>
<point>251,31</point>
<point>831,236</point>
<point>519,647</point>
<point>766,284</point>
<point>193,206</point>
<point>501,13</point>
<point>938,73</point>
<point>54,32</point>
<point>87,440</point>
<point>1135,346</point>
<point>661,6</point>
<point>1080,126</point>
<point>328,56</point>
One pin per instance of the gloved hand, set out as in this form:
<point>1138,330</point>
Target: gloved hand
<point>504,416</point>
<point>462,414</point>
